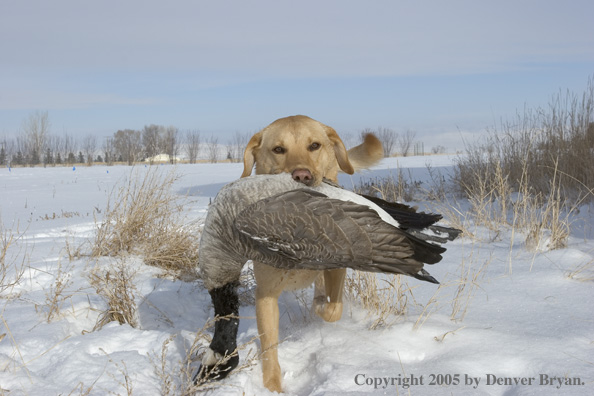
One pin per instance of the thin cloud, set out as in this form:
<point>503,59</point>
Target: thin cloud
<point>304,39</point>
<point>58,100</point>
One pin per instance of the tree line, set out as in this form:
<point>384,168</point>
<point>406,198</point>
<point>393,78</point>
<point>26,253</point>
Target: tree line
<point>35,145</point>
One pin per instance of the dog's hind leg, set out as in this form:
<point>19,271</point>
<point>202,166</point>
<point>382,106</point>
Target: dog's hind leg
<point>328,306</point>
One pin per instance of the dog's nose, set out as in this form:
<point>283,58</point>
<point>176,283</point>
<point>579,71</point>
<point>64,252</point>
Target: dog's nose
<point>302,176</point>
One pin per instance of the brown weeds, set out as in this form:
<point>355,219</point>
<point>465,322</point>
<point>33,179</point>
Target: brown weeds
<point>12,264</point>
<point>145,217</point>
<point>385,298</point>
<point>117,287</point>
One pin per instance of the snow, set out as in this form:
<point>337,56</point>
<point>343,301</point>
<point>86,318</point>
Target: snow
<point>528,328</point>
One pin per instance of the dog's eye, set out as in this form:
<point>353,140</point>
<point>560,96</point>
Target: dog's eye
<point>279,150</point>
<point>314,146</point>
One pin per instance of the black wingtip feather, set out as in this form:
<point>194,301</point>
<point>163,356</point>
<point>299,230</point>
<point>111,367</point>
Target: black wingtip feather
<point>405,215</point>
<point>425,276</point>
<point>425,252</point>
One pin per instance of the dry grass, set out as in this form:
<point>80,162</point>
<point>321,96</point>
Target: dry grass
<point>12,264</point>
<point>178,379</point>
<point>57,295</point>
<point>385,298</point>
<point>443,336</point>
<point>400,188</point>
<point>429,308</point>
<point>125,381</point>
<point>537,150</point>
<point>533,174</point>
<point>116,286</point>
<point>493,203</point>
<point>73,251</point>
<point>583,272</point>
<point>82,390</point>
<point>15,345</point>
<point>466,282</point>
<point>466,286</point>
<point>146,218</point>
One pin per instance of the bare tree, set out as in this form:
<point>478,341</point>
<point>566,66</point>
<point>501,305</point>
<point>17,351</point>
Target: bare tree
<point>35,132</point>
<point>151,140</point>
<point>89,145</point>
<point>69,146</point>
<point>109,150</point>
<point>192,145</point>
<point>439,149</point>
<point>53,146</point>
<point>128,145</point>
<point>8,145</point>
<point>237,146</point>
<point>4,153</point>
<point>21,151</point>
<point>170,143</point>
<point>406,141</point>
<point>213,149</point>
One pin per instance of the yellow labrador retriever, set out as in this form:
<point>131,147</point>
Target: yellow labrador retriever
<point>310,151</point>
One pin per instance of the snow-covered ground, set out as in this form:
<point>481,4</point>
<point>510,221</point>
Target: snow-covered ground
<point>528,328</point>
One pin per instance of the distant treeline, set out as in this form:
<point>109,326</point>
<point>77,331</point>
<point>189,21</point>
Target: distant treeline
<point>35,145</point>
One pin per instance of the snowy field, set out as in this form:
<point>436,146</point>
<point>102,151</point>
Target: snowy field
<point>528,328</point>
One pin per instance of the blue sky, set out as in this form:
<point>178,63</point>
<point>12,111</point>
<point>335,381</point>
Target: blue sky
<point>445,69</point>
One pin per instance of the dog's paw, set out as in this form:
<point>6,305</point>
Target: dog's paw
<point>329,311</point>
<point>215,366</point>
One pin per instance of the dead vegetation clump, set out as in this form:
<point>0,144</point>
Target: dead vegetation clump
<point>145,217</point>
<point>400,188</point>
<point>384,297</point>
<point>537,151</point>
<point>12,265</point>
<point>117,287</point>
<point>57,295</point>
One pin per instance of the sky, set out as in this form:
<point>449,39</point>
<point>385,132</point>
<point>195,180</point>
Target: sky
<point>447,70</point>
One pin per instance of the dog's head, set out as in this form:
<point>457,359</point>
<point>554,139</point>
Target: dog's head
<point>299,145</point>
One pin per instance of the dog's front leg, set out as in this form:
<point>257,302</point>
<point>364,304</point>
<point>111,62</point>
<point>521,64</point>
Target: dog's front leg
<point>270,283</point>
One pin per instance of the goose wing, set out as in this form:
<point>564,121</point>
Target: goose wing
<point>304,229</point>
<point>420,224</point>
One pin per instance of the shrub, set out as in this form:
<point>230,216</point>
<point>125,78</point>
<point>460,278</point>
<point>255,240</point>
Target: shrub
<point>541,150</point>
<point>145,217</point>
<point>116,287</point>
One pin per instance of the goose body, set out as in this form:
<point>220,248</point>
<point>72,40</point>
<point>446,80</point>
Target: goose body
<point>277,221</point>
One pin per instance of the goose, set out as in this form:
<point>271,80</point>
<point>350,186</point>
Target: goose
<point>292,232</point>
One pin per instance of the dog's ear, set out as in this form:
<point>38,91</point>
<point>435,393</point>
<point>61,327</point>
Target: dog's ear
<point>249,155</point>
<point>339,151</point>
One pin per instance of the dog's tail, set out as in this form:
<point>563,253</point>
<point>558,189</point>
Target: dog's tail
<point>367,154</point>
